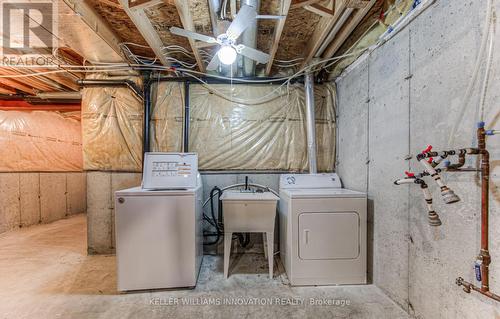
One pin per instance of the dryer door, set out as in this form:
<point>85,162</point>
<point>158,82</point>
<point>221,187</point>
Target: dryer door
<point>329,235</point>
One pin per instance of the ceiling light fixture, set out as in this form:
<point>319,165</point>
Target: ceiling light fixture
<point>227,54</point>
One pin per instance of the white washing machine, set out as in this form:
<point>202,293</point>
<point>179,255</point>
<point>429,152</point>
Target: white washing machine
<point>159,236</point>
<point>322,230</point>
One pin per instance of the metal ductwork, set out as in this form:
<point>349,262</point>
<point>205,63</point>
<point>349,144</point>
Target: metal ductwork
<point>310,123</point>
<point>214,7</point>
<point>249,38</point>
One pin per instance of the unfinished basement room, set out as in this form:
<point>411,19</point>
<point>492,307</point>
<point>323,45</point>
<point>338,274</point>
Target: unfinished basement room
<point>250,159</point>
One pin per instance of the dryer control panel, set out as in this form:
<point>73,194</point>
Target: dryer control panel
<point>170,170</point>
<point>305,181</point>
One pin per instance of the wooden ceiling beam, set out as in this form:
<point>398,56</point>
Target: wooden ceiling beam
<point>301,3</point>
<point>7,90</point>
<point>357,4</point>
<point>143,4</point>
<point>342,36</point>
<point>16,85</point>
<point>100,26</point>
<point>146,29</point>
<point>280,25</point>
<point>322,30</point>
<point>187,22</point>
<point>320,10</point>
<point>29,82</point>
<point>19,105</point>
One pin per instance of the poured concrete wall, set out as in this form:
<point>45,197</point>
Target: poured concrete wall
<point>101,187</point>
<point>31,198</point>
<point>100,202</point>
<point>392,103</point>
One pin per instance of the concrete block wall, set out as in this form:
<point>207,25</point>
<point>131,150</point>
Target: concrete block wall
<point>392,103</point>
<point>31,198</point>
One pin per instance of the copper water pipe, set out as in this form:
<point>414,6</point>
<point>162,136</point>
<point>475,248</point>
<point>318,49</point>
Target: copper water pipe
<point>484,254</point>
<point>485,189</point>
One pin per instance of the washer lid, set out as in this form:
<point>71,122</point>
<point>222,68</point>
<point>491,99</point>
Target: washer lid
<point>139,191</point>
<point>323,193</point>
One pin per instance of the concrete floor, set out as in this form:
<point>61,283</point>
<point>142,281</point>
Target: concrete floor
<point>46,273</point>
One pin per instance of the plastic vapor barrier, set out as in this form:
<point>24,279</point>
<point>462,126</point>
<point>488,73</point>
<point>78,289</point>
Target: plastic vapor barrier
<point>266,134</point>
<point>167,118</point>
<point>40,141</point>
<point>112,121</point>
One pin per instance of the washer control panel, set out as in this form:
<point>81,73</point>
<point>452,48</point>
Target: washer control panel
<point>306,181</point>
<point>170,170</point>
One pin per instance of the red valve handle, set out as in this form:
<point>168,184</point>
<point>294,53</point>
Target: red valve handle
<point>409,174</point>
<point>427,150</point>
<point>430,160</point>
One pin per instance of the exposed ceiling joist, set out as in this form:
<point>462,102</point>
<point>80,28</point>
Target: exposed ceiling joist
<point>142,4</point>
<point>280,25</point>
<point>358,4</point>
<point>187,22</point>
<point>16,105</point>
<point>16,85</point>
<point>342,36</point>
<point>96,23</point>
<point>301,3</point>
<point>321,10</point>
<point>148,32</point>
<point>7,90</point>
<point>322,30</point>
<point>34,83</point>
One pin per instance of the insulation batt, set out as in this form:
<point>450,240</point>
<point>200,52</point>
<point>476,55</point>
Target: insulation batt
<point>167,118</point>
<point>39,141</point>
<point>237,136</point>
<point>112,121</point>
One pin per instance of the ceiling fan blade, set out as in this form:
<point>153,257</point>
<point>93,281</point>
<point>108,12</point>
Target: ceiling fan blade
<point>192,35</point>
<point>253,54</point>
<point>214,63</point>
<point>243,19</point>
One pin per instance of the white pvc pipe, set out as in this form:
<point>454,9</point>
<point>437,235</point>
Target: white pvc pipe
<point>428,167</point>
<point>310,123</point>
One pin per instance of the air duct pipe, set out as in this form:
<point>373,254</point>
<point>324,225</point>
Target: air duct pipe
<point>214,7</point>
<point>311,123</point>
<point>249,38</point>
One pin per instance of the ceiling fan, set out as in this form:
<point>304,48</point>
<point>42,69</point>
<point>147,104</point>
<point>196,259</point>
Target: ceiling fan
<point>228,48</point>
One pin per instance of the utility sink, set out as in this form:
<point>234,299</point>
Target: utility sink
<point>246,212</point>
<point>249,211</point>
